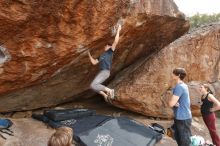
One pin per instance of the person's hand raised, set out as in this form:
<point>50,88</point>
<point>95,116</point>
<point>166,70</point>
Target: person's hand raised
<point>119,27</point>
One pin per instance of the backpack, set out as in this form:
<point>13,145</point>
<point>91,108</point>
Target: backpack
<point>197,140</point>
<point>158,128</point>
<point>5,124</point>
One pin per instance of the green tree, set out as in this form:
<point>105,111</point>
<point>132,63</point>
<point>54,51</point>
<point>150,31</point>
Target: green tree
<point>200,19</point>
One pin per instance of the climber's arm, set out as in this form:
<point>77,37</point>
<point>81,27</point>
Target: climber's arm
<point>116,38</point>
<point>93,61</point>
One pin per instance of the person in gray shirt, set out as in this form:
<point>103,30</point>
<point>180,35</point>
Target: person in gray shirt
<point>105,62</point>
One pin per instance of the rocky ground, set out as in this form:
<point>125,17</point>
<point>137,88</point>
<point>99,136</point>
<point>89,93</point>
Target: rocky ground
<point>31,132</point>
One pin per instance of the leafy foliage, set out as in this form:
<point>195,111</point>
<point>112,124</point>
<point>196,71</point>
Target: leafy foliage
<point>200,19</point>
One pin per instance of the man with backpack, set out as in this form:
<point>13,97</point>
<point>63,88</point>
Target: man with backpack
<point>180,102</point>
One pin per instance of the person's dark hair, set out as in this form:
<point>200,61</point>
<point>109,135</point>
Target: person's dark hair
<point>208,88</point>
<point>181,72</point>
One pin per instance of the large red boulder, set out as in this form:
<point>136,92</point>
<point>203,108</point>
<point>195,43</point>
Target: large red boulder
<point>44,44</point>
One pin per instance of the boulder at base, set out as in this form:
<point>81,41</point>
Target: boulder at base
<point>145,86</point>
<point>44,62</point>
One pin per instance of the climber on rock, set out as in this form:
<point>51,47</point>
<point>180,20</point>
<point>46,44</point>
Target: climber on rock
<point>104,61</point>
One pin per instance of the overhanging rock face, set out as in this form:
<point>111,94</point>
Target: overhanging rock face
<point>145,86</point>
<point>47,42</point>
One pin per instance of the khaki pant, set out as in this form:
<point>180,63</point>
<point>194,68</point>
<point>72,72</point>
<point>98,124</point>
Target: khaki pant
<point>96,84</point>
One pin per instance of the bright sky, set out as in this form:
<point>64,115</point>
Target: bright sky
<point>191,7</point>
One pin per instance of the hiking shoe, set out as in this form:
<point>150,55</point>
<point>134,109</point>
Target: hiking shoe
<point>108,99</point>
<point>112,94</point>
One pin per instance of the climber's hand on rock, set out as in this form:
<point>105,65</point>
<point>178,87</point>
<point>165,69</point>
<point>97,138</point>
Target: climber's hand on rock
<point>119,27</point>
